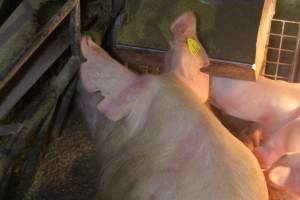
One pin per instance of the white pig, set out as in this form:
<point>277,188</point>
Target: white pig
<point>169,144</point>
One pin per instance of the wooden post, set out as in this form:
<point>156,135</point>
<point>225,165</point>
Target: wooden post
<point>264,35</point>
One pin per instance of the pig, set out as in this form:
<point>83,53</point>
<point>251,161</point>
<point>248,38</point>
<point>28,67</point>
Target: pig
<point>273,105</point>
<point>285,172</point>
<point>168,144</point>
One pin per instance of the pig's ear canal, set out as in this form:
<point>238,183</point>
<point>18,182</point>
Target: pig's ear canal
<point>184,25</point>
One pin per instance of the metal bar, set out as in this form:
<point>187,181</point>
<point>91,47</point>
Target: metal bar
<point>287,21</point>
<point>285,50</point>
<point>280,46</point>
<point>34,44</point>
<point>74,28</point>
<point>151,50</point>
<point>275,76</point>
<point>283,35</point>
<point>279,63</point>
<point>293,75</point>
<point>117,6</point>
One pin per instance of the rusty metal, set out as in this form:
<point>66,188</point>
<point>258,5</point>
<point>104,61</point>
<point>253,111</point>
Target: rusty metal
<point>75,31</point>
<point>9,71</point>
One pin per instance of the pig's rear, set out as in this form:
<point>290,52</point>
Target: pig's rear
<point>181,151</point>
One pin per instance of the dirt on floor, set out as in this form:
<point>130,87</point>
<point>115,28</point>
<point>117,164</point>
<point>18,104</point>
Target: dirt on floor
<point>68,170</point>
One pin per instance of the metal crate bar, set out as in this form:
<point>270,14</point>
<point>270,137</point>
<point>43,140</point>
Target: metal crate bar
<point>294,62</point>
<point>9,71</point>
<point>284,35</point>
<point>284,50</point>
<point>279,63</point>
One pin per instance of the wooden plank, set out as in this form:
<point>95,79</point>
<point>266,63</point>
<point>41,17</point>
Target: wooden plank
<point>152,58</point>
<point>33,45</point>
<point>47,56</point>
<point>230,70</point>
<point>263,35</point>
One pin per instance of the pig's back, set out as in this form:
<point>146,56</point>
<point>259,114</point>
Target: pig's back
<point>182,152</point>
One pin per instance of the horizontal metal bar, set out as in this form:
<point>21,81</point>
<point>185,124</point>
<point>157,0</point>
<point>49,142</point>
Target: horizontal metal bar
<point>278,63</point>
<point>35,43</point>
<point>151,50</point>
<point>284,35</point>
<point>286,21</point>
<point>129,47</point>
<point>275,76</point>
<point>285,50</point>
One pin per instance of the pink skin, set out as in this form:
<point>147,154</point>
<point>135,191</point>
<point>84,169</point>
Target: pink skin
<point>270,103</point>
<point>182,62</point>
<point>169,142</point>
<point>289,180</point>
<point>96,72</point>
<point>286,139</point>
<point>274,105</point>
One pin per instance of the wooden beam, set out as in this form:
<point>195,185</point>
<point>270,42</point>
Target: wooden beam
<point>232,70</point>
<point>141,56</point>
<point>263,35</point>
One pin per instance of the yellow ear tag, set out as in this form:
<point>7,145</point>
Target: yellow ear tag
<point>193,46</point>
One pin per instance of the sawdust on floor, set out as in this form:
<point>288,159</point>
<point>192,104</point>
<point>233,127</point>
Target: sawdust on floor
<point>68,170</point>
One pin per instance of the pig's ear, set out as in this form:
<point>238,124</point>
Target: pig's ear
<point>101,73</point>
<point>184,25</point>
<point>184,30</point>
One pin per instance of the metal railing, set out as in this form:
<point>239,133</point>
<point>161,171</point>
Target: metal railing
<point>72,8</point>
<point>283,51</point>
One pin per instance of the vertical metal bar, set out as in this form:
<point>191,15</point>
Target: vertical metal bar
<point>293,75</point>
<point>75,29</point>
<point>117,6</point>
<point>280,47</point>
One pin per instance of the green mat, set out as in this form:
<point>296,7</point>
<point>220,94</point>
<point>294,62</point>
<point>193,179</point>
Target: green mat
<point>228,31</point>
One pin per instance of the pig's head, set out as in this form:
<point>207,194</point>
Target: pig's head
<point>118,85</point>
<point>187,56</point>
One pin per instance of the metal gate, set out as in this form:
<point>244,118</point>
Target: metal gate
<point>282,62</point>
